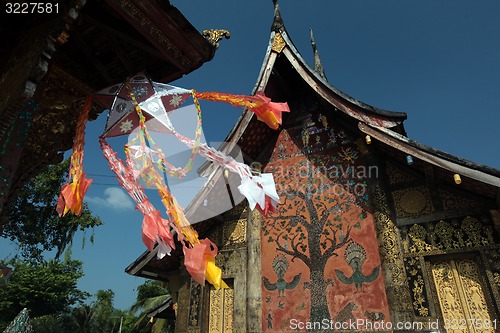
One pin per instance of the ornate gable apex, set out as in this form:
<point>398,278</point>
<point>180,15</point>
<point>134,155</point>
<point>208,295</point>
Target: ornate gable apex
<point>280,44</point>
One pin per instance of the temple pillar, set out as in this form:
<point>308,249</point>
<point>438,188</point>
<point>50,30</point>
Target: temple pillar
<point>254,273</point>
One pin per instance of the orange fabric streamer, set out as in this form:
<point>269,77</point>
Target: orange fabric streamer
<point>72,193</point>
<point>199,261</point>
<point>265,110</point>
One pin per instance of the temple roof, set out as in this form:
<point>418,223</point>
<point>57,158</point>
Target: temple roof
<point>283,66</point>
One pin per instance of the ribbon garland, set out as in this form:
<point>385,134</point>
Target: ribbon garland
<point>145,160</point>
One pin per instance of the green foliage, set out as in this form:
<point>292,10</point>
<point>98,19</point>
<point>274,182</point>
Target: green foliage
<point>33,221</point>
<point>44,288</point>
<point>62,323</point>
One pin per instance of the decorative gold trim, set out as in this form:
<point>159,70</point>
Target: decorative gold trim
<point>215,35</point>
<point>278,43</point>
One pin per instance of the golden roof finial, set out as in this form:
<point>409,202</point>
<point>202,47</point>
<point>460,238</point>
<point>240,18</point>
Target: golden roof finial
<point>215,35</point>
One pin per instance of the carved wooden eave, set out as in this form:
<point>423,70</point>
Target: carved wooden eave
<point>477,178</point>
<point>169,32</point>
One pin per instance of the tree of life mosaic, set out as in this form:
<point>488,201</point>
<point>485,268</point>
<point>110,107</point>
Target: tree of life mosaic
<point>319,251</point>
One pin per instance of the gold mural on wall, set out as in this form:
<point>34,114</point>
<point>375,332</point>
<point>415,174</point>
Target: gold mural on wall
<point>461,296</point>
<point>221,310</point>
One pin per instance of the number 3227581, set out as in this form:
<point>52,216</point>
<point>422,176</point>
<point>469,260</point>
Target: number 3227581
<point>31,8</point>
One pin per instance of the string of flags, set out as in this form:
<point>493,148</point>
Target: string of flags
<point>134,103</point>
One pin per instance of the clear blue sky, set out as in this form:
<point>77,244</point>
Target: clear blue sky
<point>438,61</point>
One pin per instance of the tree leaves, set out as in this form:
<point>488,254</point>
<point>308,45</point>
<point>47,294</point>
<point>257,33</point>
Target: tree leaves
<point>33,221</point>
<point>44,288</point>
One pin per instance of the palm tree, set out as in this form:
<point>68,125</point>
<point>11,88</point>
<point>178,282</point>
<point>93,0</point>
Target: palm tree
<point>150,296</point>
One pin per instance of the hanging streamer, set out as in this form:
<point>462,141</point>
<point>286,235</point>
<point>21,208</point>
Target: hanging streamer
<point>265,110</point>
<point>72,193</point>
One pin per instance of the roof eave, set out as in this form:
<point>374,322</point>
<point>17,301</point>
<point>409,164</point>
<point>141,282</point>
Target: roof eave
<point>433,156</point>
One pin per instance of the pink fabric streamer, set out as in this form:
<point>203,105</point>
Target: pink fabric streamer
<point>154,227</point>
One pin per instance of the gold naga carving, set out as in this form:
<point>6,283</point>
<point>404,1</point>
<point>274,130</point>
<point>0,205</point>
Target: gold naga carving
<point>215,35</point>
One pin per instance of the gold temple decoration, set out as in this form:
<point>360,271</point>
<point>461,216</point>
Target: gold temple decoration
<point>278,43</point>
<point>234,234</point>
<point>215,35</point>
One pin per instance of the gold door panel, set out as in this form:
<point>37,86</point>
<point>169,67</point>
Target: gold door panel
<point>221,310</point>
<point>461,296</point>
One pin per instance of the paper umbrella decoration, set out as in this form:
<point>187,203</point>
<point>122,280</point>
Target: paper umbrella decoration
<point>137,101</point>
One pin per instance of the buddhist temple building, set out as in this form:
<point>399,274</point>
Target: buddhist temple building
<point>374,232</point>
<point>49,63</point>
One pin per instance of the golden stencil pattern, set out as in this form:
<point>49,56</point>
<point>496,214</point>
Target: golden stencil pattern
<point>417,234</point>
<point>446,236</point>
<point>228,309</point>
<point>392,261</point>
<point>457,202</point>
<point>216,317</point>
<point>417,286</point>
<point>234,233</point>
